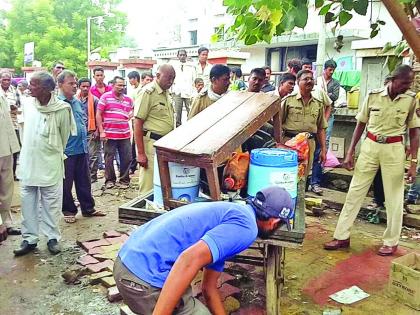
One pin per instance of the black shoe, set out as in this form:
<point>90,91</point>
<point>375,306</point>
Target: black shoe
<point>24,249</point>
<point>13,231</point>
<point>53,247</point>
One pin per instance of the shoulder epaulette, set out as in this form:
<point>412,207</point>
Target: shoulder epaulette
<point>410,93</point>
<point>376,91</point>
<point>149,89</point>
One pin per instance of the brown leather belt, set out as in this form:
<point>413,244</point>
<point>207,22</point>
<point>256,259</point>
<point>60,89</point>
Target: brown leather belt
<point>383,139</point>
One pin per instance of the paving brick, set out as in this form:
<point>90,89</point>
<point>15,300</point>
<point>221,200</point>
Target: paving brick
<point>227,290</point>
<point>113,294</point>
<point>111,233</point>
<point>92,244</point>
<point>108,282</point>
<point>104,265</point>
<point>125,310</point>
<point>96,250</point>
<point>224,277</point>
<point>117,240</point>
<point>231,305</point>
<point>106,256</point>
<point>87,260</point>
<point>96,277</point>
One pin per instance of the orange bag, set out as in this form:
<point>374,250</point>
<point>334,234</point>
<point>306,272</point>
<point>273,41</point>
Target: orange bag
<point>301,145</point>
<point>236,171</point>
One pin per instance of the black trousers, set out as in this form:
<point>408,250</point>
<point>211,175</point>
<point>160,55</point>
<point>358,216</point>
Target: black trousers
<point>77,171</point>
<point>123,147</point>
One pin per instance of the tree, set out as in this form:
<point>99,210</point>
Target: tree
<point>260,20</point>
<point>58,29</point>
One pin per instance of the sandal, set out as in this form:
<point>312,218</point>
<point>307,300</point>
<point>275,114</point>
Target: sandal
<point>317,190</point>
<point>109,185</point>
<point>69,218</point>
<point>95,213</point>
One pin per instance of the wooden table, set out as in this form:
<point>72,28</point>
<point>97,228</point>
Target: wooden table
<point>206,141</point>
<point>210,137</point>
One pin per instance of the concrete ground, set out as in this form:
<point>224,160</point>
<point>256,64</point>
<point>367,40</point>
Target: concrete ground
<point>33,285</point>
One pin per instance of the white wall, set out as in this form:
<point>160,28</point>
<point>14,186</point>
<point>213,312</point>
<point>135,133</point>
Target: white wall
<point>257,58</point>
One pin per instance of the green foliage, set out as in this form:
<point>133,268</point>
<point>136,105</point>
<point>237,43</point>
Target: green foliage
<point>58,29</point>
<point>260,20</point>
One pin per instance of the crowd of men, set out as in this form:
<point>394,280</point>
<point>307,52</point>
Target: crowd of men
<point>76,126</point>
<point>60,130</point>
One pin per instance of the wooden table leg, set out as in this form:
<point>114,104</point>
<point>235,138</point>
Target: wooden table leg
<point>213,180</point>
<point>165,180</point>
<point>274,278</point>
<point>277,127</point>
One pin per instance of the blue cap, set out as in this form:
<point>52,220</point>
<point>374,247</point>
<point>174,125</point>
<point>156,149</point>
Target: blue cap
<point>274,201</point>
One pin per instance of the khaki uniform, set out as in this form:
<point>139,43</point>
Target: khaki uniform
<point>154,107</point>
<point>297,117</point>
<point>384,117</point>
<point>8,145</point>
<point>200,103</point>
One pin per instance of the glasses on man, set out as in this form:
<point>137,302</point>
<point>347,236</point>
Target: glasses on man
<point>307,79</point>
<point>60,67</point>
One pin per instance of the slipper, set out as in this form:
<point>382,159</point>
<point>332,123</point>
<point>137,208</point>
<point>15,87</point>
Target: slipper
<point>109,185</point>
<point>123,185</point>
<point>95,213</point>
<point>69,218</point>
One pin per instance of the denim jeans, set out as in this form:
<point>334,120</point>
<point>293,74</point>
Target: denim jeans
<point>316,177</point>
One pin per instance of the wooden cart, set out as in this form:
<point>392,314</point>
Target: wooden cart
<point>206,141</point>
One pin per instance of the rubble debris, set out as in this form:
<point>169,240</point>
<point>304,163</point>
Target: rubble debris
<point>114,295</point>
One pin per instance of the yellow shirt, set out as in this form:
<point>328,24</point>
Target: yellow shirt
<point>154,107</point>
<point>199,103</point>
<point>387,117</point>
<point>303,118</point>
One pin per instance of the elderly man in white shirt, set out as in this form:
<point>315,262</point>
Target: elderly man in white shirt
<point>42,159</point>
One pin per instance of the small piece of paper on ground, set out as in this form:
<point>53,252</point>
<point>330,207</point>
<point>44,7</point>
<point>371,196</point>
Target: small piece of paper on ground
<point>349,296</point>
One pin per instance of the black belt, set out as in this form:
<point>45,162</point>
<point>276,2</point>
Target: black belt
<point>291,134</point>
<point>152,135</point>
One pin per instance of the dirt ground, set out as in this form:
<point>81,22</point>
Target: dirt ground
<point>32,284</point>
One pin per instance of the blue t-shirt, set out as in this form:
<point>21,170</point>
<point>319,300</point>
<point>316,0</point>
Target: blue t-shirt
<point>227,228</point>
<point>77,144</point>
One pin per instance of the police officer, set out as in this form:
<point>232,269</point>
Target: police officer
<point>220,80</point>
<point>154,119</point>
<point>387,113</point>
<point>303,111</point>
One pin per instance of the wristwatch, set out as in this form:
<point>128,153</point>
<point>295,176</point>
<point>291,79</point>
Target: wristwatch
<point>414,161</point>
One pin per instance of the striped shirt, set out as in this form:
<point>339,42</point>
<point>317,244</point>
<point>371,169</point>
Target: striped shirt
<point>116,114</point>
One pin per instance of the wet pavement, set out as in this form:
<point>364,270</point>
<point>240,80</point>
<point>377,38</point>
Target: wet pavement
<point>32,284</point>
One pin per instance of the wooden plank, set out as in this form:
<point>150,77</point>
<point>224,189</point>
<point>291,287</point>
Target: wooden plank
<point>193,128</point>
<point>273,287</point>
<point>240,124</point>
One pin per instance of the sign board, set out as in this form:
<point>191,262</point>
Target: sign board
<point>28,52</point>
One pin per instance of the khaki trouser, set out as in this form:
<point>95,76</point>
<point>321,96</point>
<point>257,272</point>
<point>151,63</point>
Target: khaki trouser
<point>146,174</point>
<point>142,297</point>
<point>390,158</point>
<point>6,189</point>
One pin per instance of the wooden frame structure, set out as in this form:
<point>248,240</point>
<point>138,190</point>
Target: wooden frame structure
<point>206,141</point>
